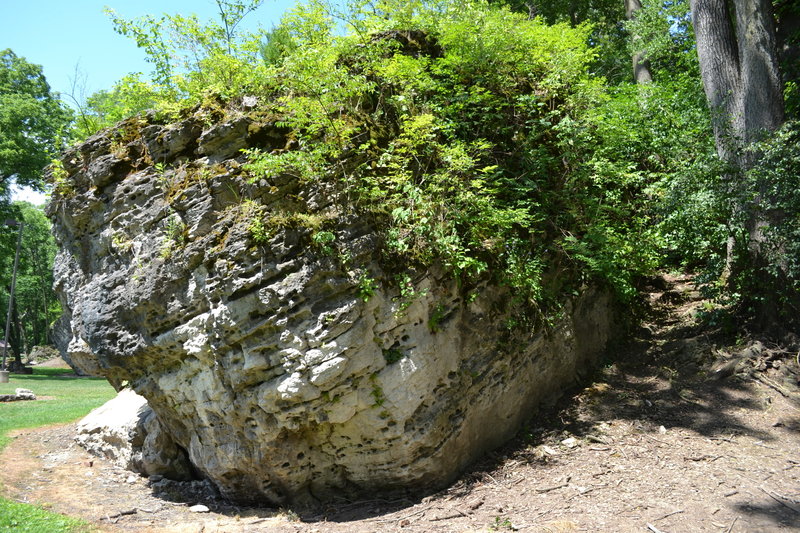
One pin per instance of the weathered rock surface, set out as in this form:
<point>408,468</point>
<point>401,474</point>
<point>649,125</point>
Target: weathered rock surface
<point>279,365</point>
<point>61,334</point>
<point>126,431</point>
<point>19,395</point>
<point>39,354</point>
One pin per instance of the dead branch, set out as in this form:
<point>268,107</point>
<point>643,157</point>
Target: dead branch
<point>668,514</point>
<point>554,487</point>
<point>783,500</point>
<point>774,385</point>
<point>121,513</point>
<point>706,457</point>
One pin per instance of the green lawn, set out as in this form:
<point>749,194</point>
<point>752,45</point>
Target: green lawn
<point>69,399</point>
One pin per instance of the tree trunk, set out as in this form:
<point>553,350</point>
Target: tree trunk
<point>641,66</point>
<point>736,46</point>
<point>21,327</point>
<point>739,66</point>
<point>14,337</point>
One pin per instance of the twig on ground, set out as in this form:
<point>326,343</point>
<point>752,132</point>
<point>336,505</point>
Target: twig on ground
<point>726,439</point>
<point>457,514</point>
<point>653,528</point>
<point>730,527</point>
<point>554,487</point>
<point>706,457</point>
<point>590,489</point>
<point>783,500</point>
<point>772,384</point>
<point>121,513</point>
<point>668,514</point>
<point>761,443</point>
<point>404,517</point>
<point>660,441</point>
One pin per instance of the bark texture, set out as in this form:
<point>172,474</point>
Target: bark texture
<point>736,45</point>
<point>641,66</point>
<point>737,49</point>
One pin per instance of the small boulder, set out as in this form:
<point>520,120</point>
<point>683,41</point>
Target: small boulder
<point>126,431</point>
<point>25,394</point>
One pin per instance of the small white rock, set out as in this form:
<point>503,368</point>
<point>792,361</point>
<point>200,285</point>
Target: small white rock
<point>570,442</point>
<point>662,430</point>
<point>199,508</point>
<point>131,479</point>
<point>25,394</point>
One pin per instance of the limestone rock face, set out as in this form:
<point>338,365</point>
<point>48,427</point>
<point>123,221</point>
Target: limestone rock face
<point>61,334</point>
<point>126,431</point>
<point>289,368</point>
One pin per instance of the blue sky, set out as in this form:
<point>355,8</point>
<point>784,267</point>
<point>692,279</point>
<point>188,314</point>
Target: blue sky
<point>60,34</point>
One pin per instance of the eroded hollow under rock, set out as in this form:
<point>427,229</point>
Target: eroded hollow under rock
<point>289,371</point>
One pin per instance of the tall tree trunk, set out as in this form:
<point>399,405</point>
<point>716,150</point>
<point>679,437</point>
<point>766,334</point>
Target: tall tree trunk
<point>736,46</point>
<point>14,337</point>
<point>641,66</point>
<point>21,327</point>
<point>739,66</point>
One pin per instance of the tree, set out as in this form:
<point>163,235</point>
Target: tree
<point>739,65</point>
<point>190,56</point>
<point>33,122</point>
<point>736,45</point>
<point>787,13</point>
<point>35,306</point>
<point>191,59</point>
<point>641,65</point>
<point>608,35</point>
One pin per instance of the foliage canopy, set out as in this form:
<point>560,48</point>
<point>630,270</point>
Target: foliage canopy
<point>494,142</point>
<point>33,122</point>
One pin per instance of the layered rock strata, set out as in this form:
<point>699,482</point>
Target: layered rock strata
<point>288,367</point>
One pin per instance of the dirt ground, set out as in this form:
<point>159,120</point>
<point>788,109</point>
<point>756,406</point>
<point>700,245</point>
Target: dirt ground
<point>678,435</point>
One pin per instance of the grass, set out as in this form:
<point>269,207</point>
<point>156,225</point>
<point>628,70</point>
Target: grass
<point>23,518</point>
<point>66,399</point>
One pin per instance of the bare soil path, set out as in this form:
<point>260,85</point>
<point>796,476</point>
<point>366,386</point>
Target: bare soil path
<point>678,435</point>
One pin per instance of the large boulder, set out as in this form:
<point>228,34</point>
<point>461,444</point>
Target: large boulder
<point>290,368</point>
